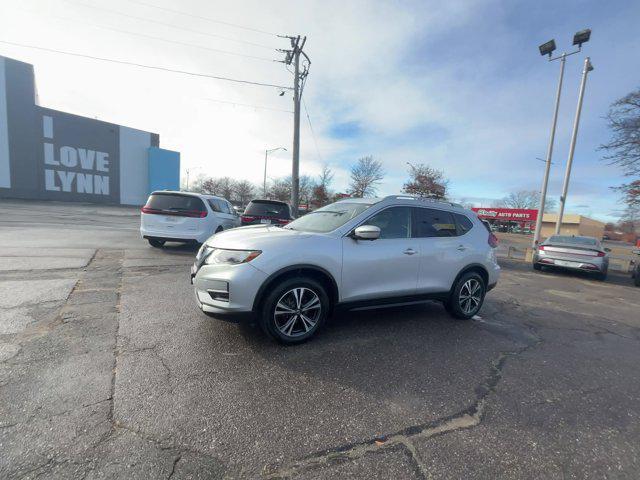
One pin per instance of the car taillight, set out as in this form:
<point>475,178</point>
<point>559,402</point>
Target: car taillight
<point>541,247</point>
<point>601,254</point>
<point>246,218</point>
<point>146,209</point>
<point>283,221</point>
<point>493,241</point>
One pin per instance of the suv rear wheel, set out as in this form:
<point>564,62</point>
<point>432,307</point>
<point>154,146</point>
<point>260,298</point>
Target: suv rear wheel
<point>467,296</point>
<point>294,310</point>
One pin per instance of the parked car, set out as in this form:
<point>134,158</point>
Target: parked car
<point>266,212</point>
<point>239,210</point>
<point>184,217</point>
<point>573,252</point>
<point>352,254</point>
<point>635,274</point>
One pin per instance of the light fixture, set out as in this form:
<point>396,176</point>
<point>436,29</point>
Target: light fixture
<point>582,37</point>
<point>547,48</point>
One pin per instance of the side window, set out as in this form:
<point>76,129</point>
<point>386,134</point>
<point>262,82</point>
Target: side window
<point>394,222</point>
<point>430,222</point>
<point>464,224</point>
<point>224,206</point>
<point>214,205</point>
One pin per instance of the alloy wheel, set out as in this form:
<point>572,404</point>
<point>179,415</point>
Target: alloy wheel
<point>470,296</point>
<point>297,312</point>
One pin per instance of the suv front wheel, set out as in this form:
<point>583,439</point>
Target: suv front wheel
<point>467,296</point>
<point>294,310</point>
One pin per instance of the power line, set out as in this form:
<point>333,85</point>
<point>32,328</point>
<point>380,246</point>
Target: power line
<point>313,133</point>
<point>152,67</point>
<point>167,24</point>
<point>208,19</point>
<point>143,35</point>
<point>248,105</point>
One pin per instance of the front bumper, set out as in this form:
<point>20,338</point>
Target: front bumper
<point>241,283</point>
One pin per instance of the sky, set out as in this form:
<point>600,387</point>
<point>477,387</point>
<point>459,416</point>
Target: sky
<point>458,85</point>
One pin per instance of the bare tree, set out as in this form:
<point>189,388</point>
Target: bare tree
<point>280,189</point>
<point>527,199</point>
<point>305,189</point>
<point>244,191</point>
<point>366,174</point>
<point>425,181</point>
<point>624,148</point>
<point>210,186</point>
<point>322,190</point>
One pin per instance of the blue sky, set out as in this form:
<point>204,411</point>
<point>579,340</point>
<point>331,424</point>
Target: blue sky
<point>458,85</point>
<point>493,95</point>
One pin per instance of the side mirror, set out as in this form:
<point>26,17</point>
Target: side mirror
<point>366,232</point>
<point>607,249</point>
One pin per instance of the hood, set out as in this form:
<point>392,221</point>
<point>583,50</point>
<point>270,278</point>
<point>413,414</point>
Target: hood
<point>255,237</point>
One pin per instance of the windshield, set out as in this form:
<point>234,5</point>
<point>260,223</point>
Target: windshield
<point>327,219</point>
<point>268,209</point>
<point>586,241</point>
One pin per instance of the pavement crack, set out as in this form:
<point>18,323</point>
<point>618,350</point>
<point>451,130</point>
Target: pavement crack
<point>173,467</point>
<point>466,419</point>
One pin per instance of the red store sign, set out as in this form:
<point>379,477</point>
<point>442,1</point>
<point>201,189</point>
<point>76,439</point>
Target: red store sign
<point>507,214</point>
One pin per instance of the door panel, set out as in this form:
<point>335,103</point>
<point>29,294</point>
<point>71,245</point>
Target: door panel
<point>442,252</point>
<point>385,267</point>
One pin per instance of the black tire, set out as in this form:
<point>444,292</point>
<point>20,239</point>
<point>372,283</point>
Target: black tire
<point>283,294</point>
<point>456,306</point>
<point>219,229</point>
<point>156,243</point>
<point>602,276</point>
<point>537,266</point>
<point>636,280</point>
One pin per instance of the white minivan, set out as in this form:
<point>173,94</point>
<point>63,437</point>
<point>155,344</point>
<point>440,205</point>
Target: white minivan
<point>185,217</point>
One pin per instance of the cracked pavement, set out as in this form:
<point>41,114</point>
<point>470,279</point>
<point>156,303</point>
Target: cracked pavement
<point>108,370</point>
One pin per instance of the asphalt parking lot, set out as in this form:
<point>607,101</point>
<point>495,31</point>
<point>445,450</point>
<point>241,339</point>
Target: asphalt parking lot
<point>108,370</point>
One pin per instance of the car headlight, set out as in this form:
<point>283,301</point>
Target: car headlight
<point>230,257</point>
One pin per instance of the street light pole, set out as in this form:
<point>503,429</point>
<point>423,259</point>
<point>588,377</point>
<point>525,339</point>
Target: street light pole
<point>266,154</point>
<point>547,168</point>
<point>565,186</point>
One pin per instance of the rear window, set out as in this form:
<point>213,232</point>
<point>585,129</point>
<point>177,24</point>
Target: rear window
<point>268,209</point>
<point>584,241</point>
<point>175,202</point>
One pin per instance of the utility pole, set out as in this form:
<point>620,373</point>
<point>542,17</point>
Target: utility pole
<point>299,75</point>
<point>545,180</point>
<point>565,186</point>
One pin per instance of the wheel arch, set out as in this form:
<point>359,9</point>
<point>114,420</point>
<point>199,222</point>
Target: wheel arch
<point>313,271</point>
<point>472,267</point>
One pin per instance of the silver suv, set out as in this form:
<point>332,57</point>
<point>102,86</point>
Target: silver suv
<point>352,254</point>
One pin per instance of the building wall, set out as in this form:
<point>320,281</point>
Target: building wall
<point>5,171</point>
<point>572,225</point>
<point>164,169</point>
<point>51,155</point>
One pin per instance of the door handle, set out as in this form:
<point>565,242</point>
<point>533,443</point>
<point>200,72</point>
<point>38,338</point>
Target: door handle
<point>462,248</point>
<point>409,251</point>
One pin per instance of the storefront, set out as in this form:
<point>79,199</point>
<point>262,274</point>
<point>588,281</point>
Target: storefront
<point>515,220</point>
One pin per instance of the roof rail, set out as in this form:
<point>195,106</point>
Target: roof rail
<point>422,199</point>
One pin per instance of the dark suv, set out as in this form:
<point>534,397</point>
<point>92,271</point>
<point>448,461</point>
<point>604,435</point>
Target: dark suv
<point>266,211</point>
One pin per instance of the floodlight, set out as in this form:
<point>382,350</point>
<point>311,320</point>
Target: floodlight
<point>582,37</point>
<point>547,48</point>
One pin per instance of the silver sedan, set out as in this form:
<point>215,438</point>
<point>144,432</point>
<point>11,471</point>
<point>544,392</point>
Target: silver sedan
<point>573,253</point>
